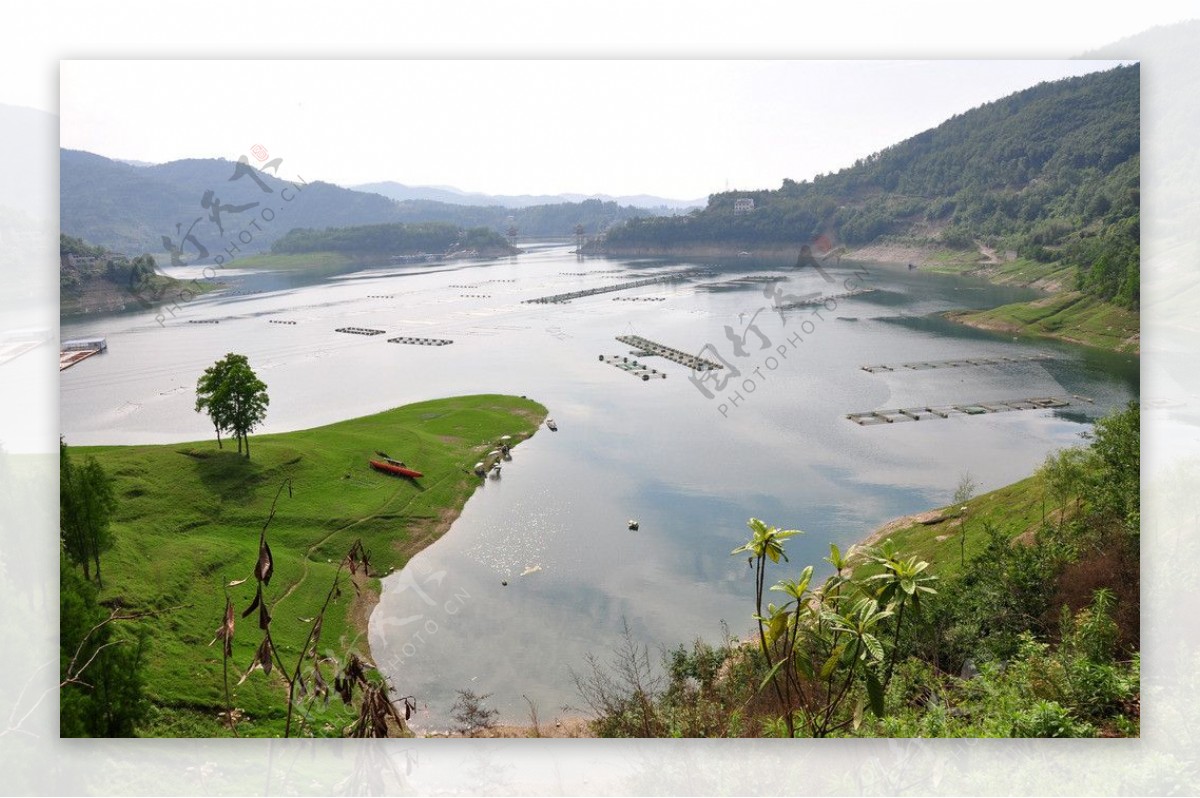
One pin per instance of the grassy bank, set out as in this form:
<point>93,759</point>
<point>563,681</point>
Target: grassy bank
<point>1065,315</point>
<point>936,536</point>
<point>1070,316</point>
<point>188,524</point>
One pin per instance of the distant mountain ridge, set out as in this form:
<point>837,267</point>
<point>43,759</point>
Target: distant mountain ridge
<point>454,196</point>
<point>131,208</point>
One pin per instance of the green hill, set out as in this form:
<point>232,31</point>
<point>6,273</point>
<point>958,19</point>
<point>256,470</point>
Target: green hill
<point>188,524</point>
<point>1050,173</point>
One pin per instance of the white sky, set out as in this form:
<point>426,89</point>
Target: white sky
<point>679,129</point>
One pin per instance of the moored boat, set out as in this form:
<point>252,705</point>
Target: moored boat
<point>390,466</point>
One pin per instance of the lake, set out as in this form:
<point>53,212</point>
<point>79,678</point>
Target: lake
<point>690,457</point>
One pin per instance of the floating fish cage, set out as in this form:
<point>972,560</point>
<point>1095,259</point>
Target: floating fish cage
<point>408,339</point>
<point>873,417</point>
<point>959,363</point>
<point>647,347</point>
<point>821,300</point>
<point>359,331</point>
<point>633,367</point>
<point>607,289</point>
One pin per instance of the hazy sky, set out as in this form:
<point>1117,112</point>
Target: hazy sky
<point>680,129</point>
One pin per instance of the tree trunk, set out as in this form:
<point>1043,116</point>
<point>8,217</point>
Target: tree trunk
<point>247,447</point>
<point>218,429</point>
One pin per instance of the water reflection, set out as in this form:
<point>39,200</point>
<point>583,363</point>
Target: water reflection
<point>555,526</point>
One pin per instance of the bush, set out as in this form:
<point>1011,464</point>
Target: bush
<point>1050,719</point>
<point>470,713</point>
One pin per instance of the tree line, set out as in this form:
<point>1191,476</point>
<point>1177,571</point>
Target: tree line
<point>390,239</point>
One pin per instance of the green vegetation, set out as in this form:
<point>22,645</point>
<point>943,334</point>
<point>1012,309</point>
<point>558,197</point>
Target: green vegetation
<point>1033,631</point>
<point>86,504</point>
<point>234,397</point>
<point>1071,316</point>
<point>189,521</point>
<point>551,219</point>
<point>93,278</point>
<point>101,670</point>
<point>382,240</point>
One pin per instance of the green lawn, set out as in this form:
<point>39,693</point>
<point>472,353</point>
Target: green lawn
<point>189,519</point>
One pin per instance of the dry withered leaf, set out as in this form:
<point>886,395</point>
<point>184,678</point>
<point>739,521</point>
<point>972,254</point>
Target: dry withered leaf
<point>253,604</point>
<point>266,565</point>
<point>263,657</point>
<point>225,630</point>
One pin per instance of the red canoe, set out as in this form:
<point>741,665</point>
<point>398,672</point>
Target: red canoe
<point>394,468</point>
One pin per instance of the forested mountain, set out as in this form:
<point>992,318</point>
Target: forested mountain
<point>1051,172</point>
<point>129,208</point>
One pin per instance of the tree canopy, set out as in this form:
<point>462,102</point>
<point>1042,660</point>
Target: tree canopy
<point>234,397</point>
<point>86,504</point>
<point>391,239</point>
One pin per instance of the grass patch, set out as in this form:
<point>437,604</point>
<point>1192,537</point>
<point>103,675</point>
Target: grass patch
<point>189,520</point>
<point>1070,316</point>
<point>1019,509</point>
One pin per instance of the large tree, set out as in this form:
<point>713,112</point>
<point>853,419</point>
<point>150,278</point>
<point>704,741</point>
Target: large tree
<point>234,397</point>
<point>86,503</point>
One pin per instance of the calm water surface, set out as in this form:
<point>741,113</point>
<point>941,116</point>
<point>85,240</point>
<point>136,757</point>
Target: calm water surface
<point>773,443</point>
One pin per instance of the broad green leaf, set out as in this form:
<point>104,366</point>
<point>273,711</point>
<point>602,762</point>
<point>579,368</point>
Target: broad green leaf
<point>874,646</point>
<point>771,674</point>
<point>832,662</point>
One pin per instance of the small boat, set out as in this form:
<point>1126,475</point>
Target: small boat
<point>390,466</point>
<point>550,423</point>
<point>495,472</point>
<point>633,525</point>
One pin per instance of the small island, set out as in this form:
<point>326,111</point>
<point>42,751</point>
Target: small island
<point>380,245</point>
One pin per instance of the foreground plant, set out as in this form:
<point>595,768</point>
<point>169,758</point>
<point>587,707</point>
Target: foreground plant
<point>826,656</point>
<point>377,714</point>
